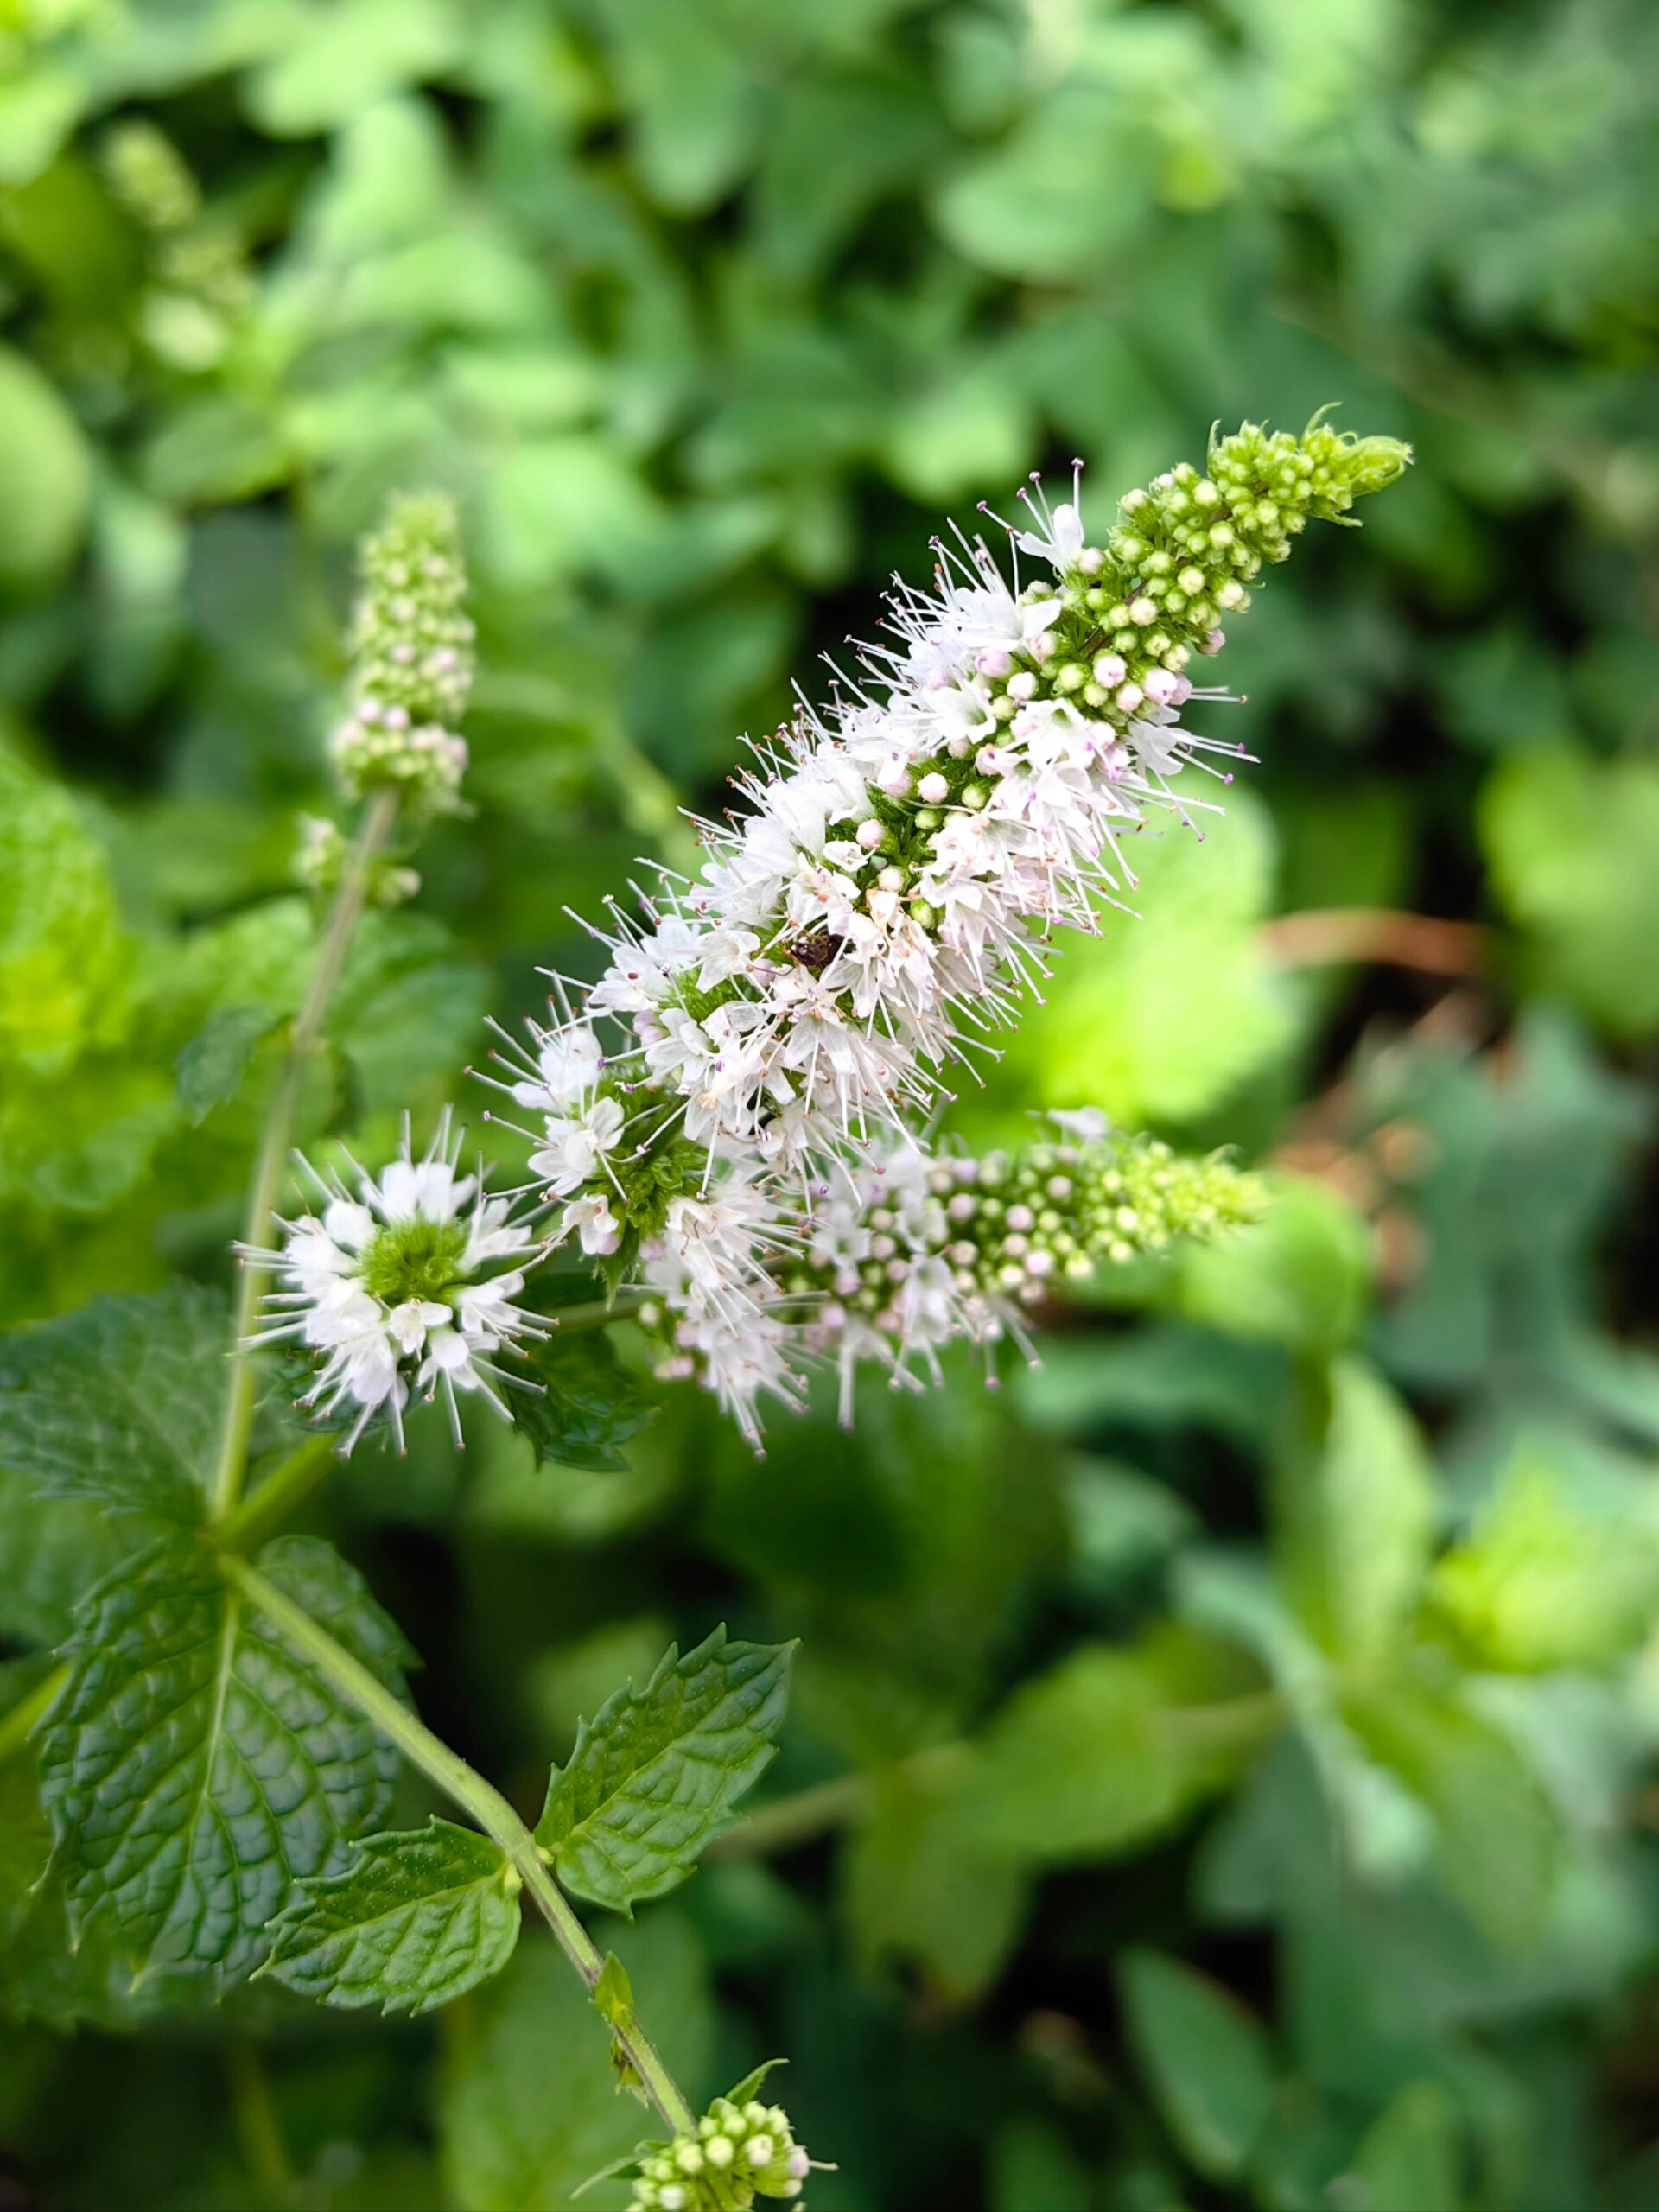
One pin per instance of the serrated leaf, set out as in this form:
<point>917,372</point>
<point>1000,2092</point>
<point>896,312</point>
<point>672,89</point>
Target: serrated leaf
<point>585,1406</point>
<point>119,1403</point>
<point>210,1070</point>
<point>654,1774</point>
<point>195,1768</point>
<point>413,1920</point>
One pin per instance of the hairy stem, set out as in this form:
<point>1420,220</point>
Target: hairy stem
<point>379,816</point>
<point>486,1804</point>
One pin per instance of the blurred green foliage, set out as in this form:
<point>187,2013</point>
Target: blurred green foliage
<point>1222,1766</point>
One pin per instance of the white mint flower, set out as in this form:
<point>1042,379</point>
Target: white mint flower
<point>407,1285</point>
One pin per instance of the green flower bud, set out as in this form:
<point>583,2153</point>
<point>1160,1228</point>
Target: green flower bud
<point>412,658</point>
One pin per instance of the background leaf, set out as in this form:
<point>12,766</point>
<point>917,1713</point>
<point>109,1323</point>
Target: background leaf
<point>520,2135</point>
<point>1206,2058</point>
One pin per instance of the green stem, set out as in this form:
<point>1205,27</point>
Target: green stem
<point>254,2111</point>
<point>378,818</point>
<point>26,1716</point>
<point>254,1518</point>
<point>597,1314</point>
<point>468,1789</point>
<point>797,1818</point>
<point>1236,1724</point>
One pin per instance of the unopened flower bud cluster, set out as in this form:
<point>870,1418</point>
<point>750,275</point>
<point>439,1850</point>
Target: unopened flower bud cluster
<point>411,648</point>
<point>738,2154</point>
<point>319,861</point>
<point>147,175</point>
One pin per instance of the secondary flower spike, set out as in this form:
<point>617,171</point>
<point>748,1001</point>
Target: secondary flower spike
<point>912,1251</point>
<point>405,1283</point>
<point>411,646</point>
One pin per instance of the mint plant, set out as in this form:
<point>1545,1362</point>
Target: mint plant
<point>733,1162</point>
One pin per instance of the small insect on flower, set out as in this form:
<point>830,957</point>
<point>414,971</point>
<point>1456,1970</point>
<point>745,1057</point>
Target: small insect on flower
<point>407,1285</point>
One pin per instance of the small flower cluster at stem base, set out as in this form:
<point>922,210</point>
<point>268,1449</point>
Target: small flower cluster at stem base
<point>404,1284</point>
<point>411,648</point>
<point>914,1249</point>
<point>891,894</point>
<point>740,2152</point>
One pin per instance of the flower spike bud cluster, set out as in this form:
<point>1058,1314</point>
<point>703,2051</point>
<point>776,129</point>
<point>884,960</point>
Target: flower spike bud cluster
<point>891,895</point>
<point>321,856</point>
<point>913,1250</point>
<point>740,2152</point>
<point>411,648</point>
<point>405,1284</point>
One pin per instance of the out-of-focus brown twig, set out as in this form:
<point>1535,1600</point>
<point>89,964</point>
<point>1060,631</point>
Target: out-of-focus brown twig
<point>1327,937</point>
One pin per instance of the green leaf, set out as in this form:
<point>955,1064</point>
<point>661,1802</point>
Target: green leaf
<point>412,1921</point>
<point>654,1774</point>
<point>1204,2056</point>
<point>63,961</point>
<point>211,1068</point>
<point>1104,1033</point>
<point>1300,1276</point>
<point>1103,1750</point>
<point>1571,843</point>
<point>1499,1840</point>
<point>45,475</point>
<point>585,1406</point>
<point>121,1402</point>
<point>1357,1515</point>
<point>195,1768</point>
<point>1539,1583</point>
<point>528,2109</point>
<point>918,1886</point>
<point>1412,2159</point>
<point>349,58</point>
<point>55,1550</point>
